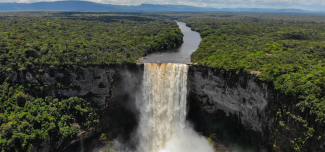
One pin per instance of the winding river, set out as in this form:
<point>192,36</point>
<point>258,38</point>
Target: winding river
<point>181,54</point>
<point>162,106</point>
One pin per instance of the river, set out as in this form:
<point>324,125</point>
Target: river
<point>162,106</point>
<point>181,54</point>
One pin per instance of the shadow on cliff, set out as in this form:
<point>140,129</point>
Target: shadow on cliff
<point>118,117</point>
<point>225,130</point>
<point>218,110</point>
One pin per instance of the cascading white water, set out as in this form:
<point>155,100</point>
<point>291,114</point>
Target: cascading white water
<point>162,107</point>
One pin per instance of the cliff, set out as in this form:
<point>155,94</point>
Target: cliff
<point>243,96</point>
<point>235,109</point>
<point>111,87</point>
<point>242,112</point>
<point>241,99</point>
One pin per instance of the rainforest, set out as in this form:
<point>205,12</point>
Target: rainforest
<point>284,50</point>
<point>72,81</point>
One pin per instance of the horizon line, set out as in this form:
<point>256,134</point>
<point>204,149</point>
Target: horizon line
<point>204,7</point>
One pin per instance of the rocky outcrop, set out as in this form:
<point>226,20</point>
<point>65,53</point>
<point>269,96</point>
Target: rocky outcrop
<point>236,108</point>
<point>113,88</point>
<point>244,96</point>
<point>241,97</point>
<point>240,106</point>
<point>98,80</point>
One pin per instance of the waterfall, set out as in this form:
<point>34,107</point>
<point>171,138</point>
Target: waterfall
<point>162,107</point>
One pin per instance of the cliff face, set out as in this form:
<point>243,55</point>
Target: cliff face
<point>243,96</point>
<point>241,110</point>
<point>237,110</point>
<point>113,88</point>
<point>233,107</point>
<point>99,80</point>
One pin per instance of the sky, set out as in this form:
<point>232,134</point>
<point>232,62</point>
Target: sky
<point>311,5</point>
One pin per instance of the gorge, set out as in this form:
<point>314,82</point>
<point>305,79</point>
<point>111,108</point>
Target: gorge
<point>234,109</point>
<point>164,106</point>
<point>211,95</point>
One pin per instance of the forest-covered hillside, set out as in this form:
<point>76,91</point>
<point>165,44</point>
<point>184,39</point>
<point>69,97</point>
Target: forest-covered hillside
<point>87,39</point>
<point>35,41</point>
<point>286,50</point>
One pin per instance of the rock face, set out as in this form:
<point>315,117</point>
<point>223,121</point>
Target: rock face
<point>96,79</point>
<point>244,96</point>
<point>241,96</point>
<point>113,88</point>
<point>235,108</point>
<point>222,99</point>
<point>99,81</point>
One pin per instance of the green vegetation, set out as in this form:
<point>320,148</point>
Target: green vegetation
<point>284,50</point>
<point>287,50</point>
<point>27,122</point>
<point>82,39</point>
<point>65,42</point>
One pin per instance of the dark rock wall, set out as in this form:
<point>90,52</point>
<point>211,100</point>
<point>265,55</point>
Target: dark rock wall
<point>244,111</point>
<point>113,88</point>
<point>238,109</point>
<point>118,116</point>
<point>235,106</point>
<point>244,96</point>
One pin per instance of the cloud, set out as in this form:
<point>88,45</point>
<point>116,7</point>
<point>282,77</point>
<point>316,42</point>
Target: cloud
<point>299,4</point>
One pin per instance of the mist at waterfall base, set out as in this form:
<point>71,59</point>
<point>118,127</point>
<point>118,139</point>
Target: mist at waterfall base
<point>161,103</point>
<point>188,141</point>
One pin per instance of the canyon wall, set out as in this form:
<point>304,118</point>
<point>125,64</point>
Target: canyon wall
<point>243,96</point>
<point>235,109</point>
<point>111,87</point>
<point>241,99</point>
<point>242,112</point>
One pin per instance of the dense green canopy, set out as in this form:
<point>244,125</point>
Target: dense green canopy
<point>63,41</point>
<point>285,50</point>
<point>82,39</point>
<point>27,122</point>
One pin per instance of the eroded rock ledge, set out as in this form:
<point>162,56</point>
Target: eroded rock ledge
<point>221,102</point>
<point>112,87</point>
<point>241,109</point>
<point>244,96</point>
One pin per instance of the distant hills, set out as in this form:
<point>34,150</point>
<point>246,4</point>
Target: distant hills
<point>91,6</point>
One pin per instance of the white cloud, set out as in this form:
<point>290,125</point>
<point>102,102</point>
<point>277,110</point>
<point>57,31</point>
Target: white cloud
<point>300,4</point>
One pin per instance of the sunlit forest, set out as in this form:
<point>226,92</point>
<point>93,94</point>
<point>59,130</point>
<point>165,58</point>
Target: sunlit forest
<point>82,39</point>
<point>36,41</point>
<point>285,50</point>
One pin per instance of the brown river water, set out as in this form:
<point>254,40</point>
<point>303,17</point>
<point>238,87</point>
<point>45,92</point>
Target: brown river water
<point>181,54</point>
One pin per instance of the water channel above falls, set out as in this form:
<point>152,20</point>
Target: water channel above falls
<point>181,54</point>
<point>158,107</point>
